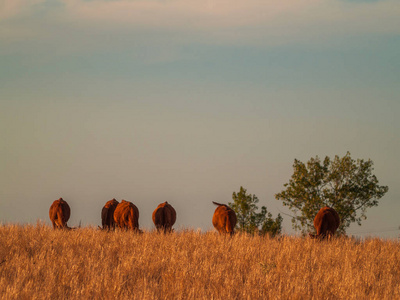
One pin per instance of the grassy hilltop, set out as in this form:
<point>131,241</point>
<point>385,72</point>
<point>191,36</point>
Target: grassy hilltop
<point>37,262</point>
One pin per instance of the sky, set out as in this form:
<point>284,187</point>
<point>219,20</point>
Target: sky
<point>185,101</point>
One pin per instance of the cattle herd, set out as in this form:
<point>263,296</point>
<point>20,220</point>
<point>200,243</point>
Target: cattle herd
<point>125,215</point>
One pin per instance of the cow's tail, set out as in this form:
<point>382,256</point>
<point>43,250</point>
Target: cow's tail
<point>228,226</point>
<point>169,216</point>
<point>160,219</point>
<point>323,231</point>
<point>133,221</point>
<point>61,218</point>
<point>109,219</point>
<point>230,229</point>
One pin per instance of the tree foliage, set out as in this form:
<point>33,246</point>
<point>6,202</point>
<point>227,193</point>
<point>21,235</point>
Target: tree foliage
<point>251,221</point>
<point>344,184</point>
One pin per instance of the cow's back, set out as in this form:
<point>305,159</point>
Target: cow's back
<point>59,213</point>
<point>107,214</point>
<point>164,216</point>
<point>126,215</point>
<point>224,219</point>
<point>326,222</point>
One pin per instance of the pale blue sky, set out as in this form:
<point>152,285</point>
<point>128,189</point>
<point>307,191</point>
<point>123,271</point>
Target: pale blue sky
<point>186,101</point>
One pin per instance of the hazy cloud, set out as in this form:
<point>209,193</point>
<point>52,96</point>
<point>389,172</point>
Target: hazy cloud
<point>78,25</point>
<point>251,21</point>
<point>14,8</point>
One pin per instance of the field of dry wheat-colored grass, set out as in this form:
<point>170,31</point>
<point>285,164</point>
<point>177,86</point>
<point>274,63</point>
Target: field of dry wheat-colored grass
<point>37,262</point>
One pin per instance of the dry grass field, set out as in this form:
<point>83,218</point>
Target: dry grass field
<point>37,262</point>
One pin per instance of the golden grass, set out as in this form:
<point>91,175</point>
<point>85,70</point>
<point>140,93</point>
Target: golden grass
<point>37,262</point>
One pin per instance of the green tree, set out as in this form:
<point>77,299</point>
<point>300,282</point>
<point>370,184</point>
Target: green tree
<point>251,221</point>
<point>344,184</point>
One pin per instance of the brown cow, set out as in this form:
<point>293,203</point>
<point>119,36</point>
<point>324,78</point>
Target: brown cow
<point>59,214</point>
<point>326,223</point>
<point>164,216</point>
<point>107,214</point>
<point>126,216</point>
<point>224,219</point>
